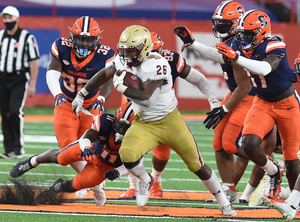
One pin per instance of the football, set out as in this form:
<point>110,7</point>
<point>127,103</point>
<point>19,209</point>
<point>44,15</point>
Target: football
<point>132,81</point>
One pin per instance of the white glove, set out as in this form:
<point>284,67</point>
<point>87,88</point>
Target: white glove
<point>118,81</point>
<point>214,103</point>
<point>77,103</point>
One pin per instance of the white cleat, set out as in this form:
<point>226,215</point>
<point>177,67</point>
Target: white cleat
<point>142,195</point>
<point>288,212</point>
<point>99,195</point>
<point>260,191</point>
<point>228,210</point>
<point>80,194</point>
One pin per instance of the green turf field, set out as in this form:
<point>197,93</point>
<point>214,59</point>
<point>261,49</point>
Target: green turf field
<point>176,177</point>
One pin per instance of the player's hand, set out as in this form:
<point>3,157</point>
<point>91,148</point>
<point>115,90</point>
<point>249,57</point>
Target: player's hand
<point>96,105</point>
<point>214,117</point>
<point>214,103</point>
<point>227,51</point>
<point>60,99</point>
<point>185,35</point>
<point>118,81</point>
<point>77,103</point>
<point>111,174</point>
<point>88,154</point>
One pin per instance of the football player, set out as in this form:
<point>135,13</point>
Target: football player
<point>74,60</point>
<point>264,58</point>
<point>157,119</point>
<point>161,153</point>
<point>98,147</point>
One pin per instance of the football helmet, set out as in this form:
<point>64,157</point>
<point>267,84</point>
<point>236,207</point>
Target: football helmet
<point>134,45</point>
<point>254,27</point>
<point>226,18</point>
<point>297,64</point>
<point>123,118</point>
<point>157,42</point>
<point>85,34</point>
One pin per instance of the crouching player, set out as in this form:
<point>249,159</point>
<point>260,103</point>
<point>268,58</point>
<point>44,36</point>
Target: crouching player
<point>99,146</point>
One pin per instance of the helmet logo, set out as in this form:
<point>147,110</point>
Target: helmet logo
<point>240,10</point>
<point>263,21</point>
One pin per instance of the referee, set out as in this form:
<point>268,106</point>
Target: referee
<point>19,56</point>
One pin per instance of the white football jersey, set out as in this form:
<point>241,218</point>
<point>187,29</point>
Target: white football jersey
<point>155,67</point>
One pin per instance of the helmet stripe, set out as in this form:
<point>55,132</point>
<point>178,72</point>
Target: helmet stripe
<point>86,24</point>
<point>245,16</point>
<point>222,6</point>
<point>128,112</point>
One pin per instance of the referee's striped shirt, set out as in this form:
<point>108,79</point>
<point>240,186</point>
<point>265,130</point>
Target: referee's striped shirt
<point>17,51</point>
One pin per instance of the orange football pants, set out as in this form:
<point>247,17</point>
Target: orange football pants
<point>228,131</point>
<point>263,115</point>
<point>162,152</point>
<point>93,172</point>
<point>67,126</point>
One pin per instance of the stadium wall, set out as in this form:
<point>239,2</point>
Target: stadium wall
<point>47,29</point>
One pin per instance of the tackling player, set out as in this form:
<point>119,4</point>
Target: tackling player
<point>161,153</point>
<point>157,120</point>
<point>74,61</point>
<point>98,147</point>
<point>264,58</point>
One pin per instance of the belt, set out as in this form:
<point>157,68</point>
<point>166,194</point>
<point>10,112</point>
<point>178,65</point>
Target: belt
<point>279,97</point>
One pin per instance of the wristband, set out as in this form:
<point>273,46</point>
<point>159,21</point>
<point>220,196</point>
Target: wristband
<point>121,88</point>
<point>225,109</point>
<point>83,143</point>
<point>83,92</point>
<point>101,98</point>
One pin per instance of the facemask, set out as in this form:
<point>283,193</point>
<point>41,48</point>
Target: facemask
<point>118,137</point>
<point>10,25</point>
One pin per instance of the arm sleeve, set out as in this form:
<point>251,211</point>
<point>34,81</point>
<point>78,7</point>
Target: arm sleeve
<point>254,66</point>
<point>208,52</point>
<point>52,77</point>
<point>198,79</point>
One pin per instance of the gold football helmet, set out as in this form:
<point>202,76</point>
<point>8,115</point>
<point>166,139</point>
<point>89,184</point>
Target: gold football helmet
<point>134,45</point>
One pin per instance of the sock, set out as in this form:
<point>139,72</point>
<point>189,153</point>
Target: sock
<point>294,198</point>
<point>133,180</point>
<point>140,172</point>
<point>214,186</point>
<point>270,167</point>
<point>231,186</point>
<point>156,175</point>
<point>284,193</point>
<point>247,192</point>
<point>33,161</point>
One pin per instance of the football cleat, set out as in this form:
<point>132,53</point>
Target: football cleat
<point>256,197</point>
<point>80,194</point>
<point>156,190</point>
<point>288,212</point>
<point>50,192</point>
<point>275,181</point>
<point>243,201</point>
<point>20,168</point>
<point>130,193</point>
<point>142,195</point>
<point>99,195</point>
<point>228,210</point>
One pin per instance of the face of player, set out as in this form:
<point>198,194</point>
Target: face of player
<point>246,36</point>
<point>221,25</point>
<point>120,128</point>
<point>84,44</point>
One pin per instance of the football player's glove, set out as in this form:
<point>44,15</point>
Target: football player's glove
<point>111,174</point>
<point>118,81</point>
<point>96,105</point>
<point>77,103</point>
<point>227,51</point>
<point>60,99</point>
<point>185,35</point>
<point>88,154</point>
<point>214,117</point>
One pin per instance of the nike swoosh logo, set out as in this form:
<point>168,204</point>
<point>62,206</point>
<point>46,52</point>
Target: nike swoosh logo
<point>290,108</point>
<point>216,193</point>
<point>257,55</point>
<point>89,69</point>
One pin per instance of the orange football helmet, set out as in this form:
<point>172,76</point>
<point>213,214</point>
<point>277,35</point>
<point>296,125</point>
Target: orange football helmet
<point>85,34</point>
<point>123,118</point>
<point>157,42</point>
<point>297,64</point>
<point>226,18</point>
<point>254,27</point>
